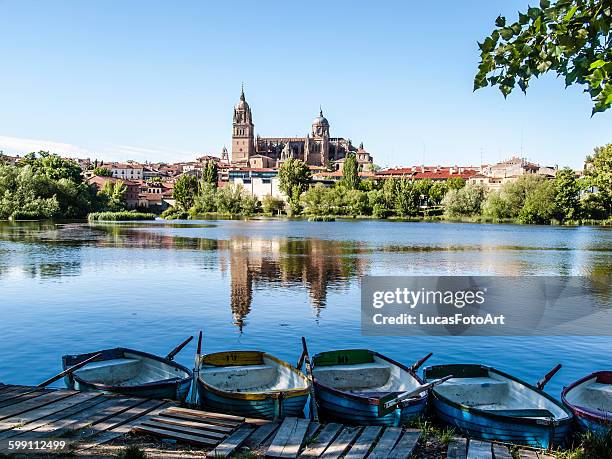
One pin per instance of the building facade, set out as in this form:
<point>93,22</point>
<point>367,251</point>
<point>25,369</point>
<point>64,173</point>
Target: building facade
<point>317,148</point>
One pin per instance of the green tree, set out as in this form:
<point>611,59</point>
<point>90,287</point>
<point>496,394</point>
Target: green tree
<point>316,200</point>
<point>569,37</point>
<point>465,202</point>
<point>272,205</point>
<point>52,166</point>
<point>406,198</point>
<point>185,190</point>
<point>205,200</point>
<point>455,183</point>
<point>114,193</point>
<point>350,172</point>
<point>539,207</point>
<point>508,201</point>
<point>210,173</point>
<point>567,195</point>
<point>436,192</point>
<point>102,172</point>
<point>294,177</point>
<point>597,199</point>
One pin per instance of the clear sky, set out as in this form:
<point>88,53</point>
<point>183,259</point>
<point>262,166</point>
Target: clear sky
<point>149,80</point>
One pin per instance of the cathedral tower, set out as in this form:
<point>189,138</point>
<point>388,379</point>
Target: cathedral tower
<point>243,143</point>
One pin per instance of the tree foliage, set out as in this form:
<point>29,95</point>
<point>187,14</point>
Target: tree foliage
<point>185,189</point>
<point>465,202</point>
<point>114,195</point>
<point>294,177</point>
<point>350,172</point>
<point>598,183</point>
<point>569,37</point>
<point>566,195</point>
<point>52,166</point>
<point>210,173</point>
<point>102,172</point>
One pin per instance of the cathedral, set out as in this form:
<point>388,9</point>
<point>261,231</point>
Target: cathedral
<point>316,149</point>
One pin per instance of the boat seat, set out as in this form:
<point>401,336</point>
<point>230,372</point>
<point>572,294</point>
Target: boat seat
<point>599,390</point>
<point>239,377</point>
<point>475,391</point>
<point>110,371</point>
<point>363,375</point>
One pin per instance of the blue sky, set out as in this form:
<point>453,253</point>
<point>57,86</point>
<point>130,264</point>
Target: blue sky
<point>157,80</point>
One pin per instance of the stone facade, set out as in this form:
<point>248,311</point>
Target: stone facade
<point>317,148</point>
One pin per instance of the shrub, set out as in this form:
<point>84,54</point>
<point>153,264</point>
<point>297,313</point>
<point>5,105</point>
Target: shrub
<point>120,216</point>
<point>464,202</point>
<point>174,213</point>
<point>272,205</point>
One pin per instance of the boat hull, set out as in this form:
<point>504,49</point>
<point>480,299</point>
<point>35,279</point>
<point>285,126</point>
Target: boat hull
<point>336,407</point>
<point>272,406</point>
<point>588,419</point>
<point>176,388</point>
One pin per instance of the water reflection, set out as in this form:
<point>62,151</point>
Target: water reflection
<point>321,259</point>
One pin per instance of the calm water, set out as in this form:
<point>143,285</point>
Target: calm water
<point>261,284</point>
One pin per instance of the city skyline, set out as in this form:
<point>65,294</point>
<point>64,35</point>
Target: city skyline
<point>155,82</point>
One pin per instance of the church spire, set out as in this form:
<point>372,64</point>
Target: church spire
<point>242,92</point>
<point>320,111</point>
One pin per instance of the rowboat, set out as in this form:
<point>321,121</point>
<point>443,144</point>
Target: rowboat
<point>590,399</point>
<point>486,403</point>
<point>251,384</point>
<point>359,386</point>
<point>129,372</point>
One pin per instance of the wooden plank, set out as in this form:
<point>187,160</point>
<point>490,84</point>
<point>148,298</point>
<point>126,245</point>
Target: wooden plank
<point>479,450</point>
<point>221,430</point>
<point>313,428</point>
<point>501,452</point>
<point>55,417</point>
<point>46,410</point>
<point>233,442</point>
<point>12,389</point>
<point>185,429</point>
<point>296,439</point>
<point>33,403</point>
<point>119,419</point>
<point>342,443</point>
<point>527,454</point>
<point>199,441</point>
<point>406,444</point>
<point>206,414</point>
<point>364,443</point>
<point>282,436</point>
<point>543,455</point>
<point>261,434</point>
<point>322,441</point>
<point>121,430</point>
<point>92,415</point>
<point>386,443</point>
<point>457,449</point>
<point>22,396</point>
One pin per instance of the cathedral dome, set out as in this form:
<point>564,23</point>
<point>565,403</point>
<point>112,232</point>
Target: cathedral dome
<point>320,120</point>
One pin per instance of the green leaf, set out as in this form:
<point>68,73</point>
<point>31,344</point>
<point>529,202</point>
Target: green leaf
<point>534,12</point>
<point>597,64</point>
<point>507,33</point>
<point>523,19</point>
<point>544,4</point>
<point>500,21</point>
<point>570,14</point>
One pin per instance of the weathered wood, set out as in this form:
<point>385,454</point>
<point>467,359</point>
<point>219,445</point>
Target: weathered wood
<point>342,443</point>
<point>119,419</point>
<point>81,419</point>
<point>221,430</point>
<point>527,454</point>
<point>184,429</point>
<point>12,391</point>
<point>364,442</point>
<point>190,439</point>
<point>46,410</point>
<point>457,449</point>
<point>543,455</point>
<point>501,452</point>
<point>479,450</point>
<point>206,414</point>
<point>231,444</point>
<point>21,396</point>
<point>261,434</point>
<point>322,441</point>
<point>33,403</point>
<point>52,418</point>
<point>232,425</point>
<point>121,430</point>
<point>296,439</point>
<point>313,429</point>
<point>282,436</point>
<point>386,443</point>
<point>406,444</point>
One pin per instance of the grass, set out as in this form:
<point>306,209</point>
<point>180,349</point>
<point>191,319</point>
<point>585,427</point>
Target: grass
<point>245,453</point>
<point>591,446</point>
<point>120,216</point>
<point>430,431</point>
<point>132,452</point>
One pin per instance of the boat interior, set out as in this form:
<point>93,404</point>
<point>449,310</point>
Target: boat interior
<point>592,394</point>
<point>370,379</point>
<point>500,395</point>
<point>267,375</point>
<point>131,370</point>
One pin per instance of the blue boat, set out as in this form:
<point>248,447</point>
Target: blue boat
<point>130,372</point>
<point>590,399</point>
<point>251,384</point>
<point>486,403</point>
<point>359,386</point>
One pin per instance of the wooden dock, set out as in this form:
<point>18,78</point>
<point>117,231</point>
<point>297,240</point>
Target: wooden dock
<point>93,422</point>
